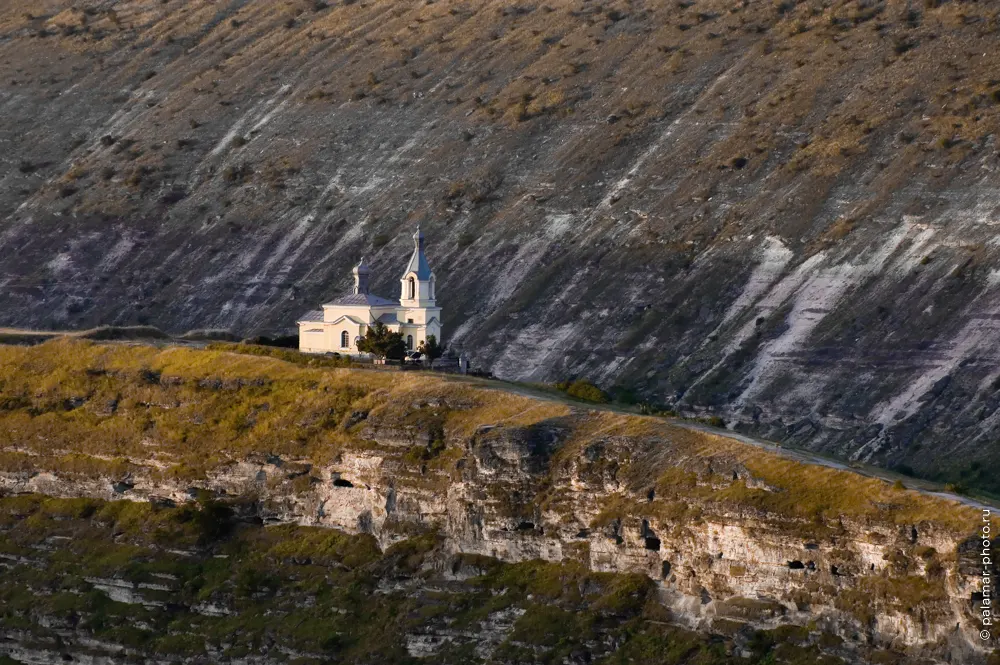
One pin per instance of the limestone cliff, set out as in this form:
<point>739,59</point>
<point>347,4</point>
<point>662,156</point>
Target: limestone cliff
<point>731,535</point>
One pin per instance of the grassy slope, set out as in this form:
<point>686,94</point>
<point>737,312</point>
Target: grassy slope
<point>86,408</point>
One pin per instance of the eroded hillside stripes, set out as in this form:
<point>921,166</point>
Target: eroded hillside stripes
<point>768,304</point>
<point>837,131</point>
<point>774,256</point>
<point>817,297</point>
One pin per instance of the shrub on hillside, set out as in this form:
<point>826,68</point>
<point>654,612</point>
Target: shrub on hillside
<point>583,390</point>
<point>282,341</point>
<point>237,174</point>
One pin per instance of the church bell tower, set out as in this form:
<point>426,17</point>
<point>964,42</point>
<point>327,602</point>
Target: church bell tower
<point>418,314</point>
<point>417,283</point>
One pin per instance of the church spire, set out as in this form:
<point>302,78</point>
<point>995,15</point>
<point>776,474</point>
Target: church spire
<point>361,274</point>
<point>418,262</point>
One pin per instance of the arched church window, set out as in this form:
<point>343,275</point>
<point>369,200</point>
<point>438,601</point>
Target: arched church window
<point>345,340</point>
<point>412,288</point>
<point>409,342</point>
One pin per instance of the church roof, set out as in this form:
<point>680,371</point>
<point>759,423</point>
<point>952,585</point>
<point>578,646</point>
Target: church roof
<point>388,318</point>
<point>346,317</point>
<point>361,299</point>
<point>418,262</point>
<point>311,316</point>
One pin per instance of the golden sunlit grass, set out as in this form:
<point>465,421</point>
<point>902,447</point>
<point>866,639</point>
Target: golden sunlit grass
<point>815,493</point>
<point>672,459</point>
<point>192,409</point>
<point>88,409</point>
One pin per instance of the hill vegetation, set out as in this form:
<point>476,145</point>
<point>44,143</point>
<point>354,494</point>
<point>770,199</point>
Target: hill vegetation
<point>181,585</point>
<point>209,442</point>
<point>780,212</point>
<point>87,409</point>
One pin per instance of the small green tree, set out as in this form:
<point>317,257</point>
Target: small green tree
<point>382,342</point>
<point>431,348</point>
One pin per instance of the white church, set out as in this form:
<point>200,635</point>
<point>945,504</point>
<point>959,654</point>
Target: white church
<point>339,325</point>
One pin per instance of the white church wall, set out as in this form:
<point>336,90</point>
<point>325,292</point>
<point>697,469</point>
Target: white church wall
<point>311,338</point>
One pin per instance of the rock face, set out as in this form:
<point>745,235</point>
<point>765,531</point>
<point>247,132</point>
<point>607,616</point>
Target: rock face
<point>517,494</point>
<point>782,212</point>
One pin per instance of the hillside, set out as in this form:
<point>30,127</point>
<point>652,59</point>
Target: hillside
<point>215,591</point>
<point>780,211</point>
<point>686,530</point>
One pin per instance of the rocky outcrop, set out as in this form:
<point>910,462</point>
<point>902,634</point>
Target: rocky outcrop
<point>521,493</point>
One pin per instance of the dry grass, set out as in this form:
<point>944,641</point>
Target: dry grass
<point>194,409</point>
<point>88,409</point>
<point>810,492</point>
<point>675,460</point>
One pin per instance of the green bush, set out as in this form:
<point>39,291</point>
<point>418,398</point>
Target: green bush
<point>382,342</point>
<point>583,390</point>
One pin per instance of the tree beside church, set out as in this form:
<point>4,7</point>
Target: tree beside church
<point>344,322</point>
<point>381,342</point>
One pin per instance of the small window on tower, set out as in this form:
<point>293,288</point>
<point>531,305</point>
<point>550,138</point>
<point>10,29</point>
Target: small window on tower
<point>409,320</point>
